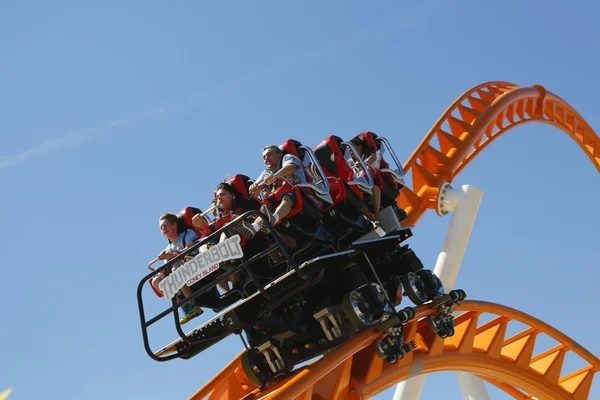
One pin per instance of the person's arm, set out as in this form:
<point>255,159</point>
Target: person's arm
<point>289,165</point>
<point>371,159</point>
<point>286,170</point>
<point>374,160</point>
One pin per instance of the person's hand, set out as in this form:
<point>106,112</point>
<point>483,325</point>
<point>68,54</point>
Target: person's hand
<point>164,255</point>
<point>199,222</point>
<point>254,188</point>
<point>269,179</point>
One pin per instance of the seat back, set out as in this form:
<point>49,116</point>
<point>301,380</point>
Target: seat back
<point>184,220</point>
<point>242,201</point>
<point>316,180</point>
<point>395,175</point>
<point>340,159</point>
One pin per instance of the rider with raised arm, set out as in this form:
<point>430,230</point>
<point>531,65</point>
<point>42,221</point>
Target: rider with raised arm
<point>178,241</point>
<point>224,203</point>
<point>285,166</point>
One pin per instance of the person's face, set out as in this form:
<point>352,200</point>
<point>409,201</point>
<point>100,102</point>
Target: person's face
<point>168,229</point>
<point>224,198</point>
<point>271,158</point>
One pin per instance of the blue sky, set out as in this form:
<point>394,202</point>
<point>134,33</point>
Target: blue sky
<point>115,113</point>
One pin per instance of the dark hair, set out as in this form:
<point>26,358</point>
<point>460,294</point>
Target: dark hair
<point>272,147</point>
<point>172,218</point>
<point>225,186</point>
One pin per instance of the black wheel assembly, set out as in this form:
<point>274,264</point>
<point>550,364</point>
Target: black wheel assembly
<point>414,288</point>
<point>357,310</point>
<point>256,368</point>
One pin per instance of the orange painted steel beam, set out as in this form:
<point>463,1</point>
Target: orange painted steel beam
<point>354,371</point>
<point>471,123</point>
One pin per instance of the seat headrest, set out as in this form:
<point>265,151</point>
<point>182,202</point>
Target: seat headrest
<point>184,219</point>
<point>367,141</point>
<point>240,184</point>
<point>291,146</point>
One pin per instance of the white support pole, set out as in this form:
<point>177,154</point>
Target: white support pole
<point>410,389</point>
<point>472,387</point>
<point>464,204</point>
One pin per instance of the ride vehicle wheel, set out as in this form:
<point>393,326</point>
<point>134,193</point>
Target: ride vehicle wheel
<point>432,283</point>
<point>389,349</point>
<point>381,348</point>
<point>386,352</point>
<point>414,288</point>
<point>438,325</point>
<point>256,368</point>
<point>357,309</point>
<point>458,294</point>
<point>406,314</point>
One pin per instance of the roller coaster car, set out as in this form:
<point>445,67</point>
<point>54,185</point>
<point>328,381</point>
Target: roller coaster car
<point>294,311</point>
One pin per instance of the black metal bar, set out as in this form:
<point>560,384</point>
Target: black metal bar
<point>145,328</point>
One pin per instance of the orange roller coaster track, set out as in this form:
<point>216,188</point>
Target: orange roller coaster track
<point>471,123</point>
<point>353,371</point>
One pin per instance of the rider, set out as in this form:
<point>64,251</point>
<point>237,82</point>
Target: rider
<point>178,241</point>
<point>371,157</point>
<point>286,166</point>
<point>224,202</point>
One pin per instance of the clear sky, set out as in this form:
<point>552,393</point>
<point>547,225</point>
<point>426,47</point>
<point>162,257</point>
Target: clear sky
<point>116,112</point>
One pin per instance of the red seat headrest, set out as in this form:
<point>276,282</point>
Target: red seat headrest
<point>185,217</point>
<point>291,146</point>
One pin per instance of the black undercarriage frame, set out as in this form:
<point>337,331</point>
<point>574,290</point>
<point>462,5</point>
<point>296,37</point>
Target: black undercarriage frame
<point>245,266</point>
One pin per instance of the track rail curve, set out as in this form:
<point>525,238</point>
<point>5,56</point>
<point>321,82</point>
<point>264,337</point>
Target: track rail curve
<point>471,123</point>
